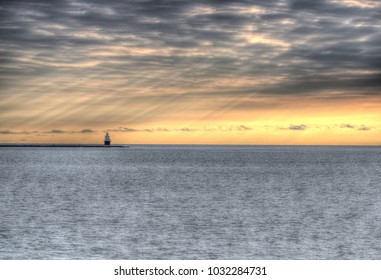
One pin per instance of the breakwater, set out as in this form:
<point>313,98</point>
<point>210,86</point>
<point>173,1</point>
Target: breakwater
<point>63,146</point>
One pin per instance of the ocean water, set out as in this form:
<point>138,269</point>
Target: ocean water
<point>190,202</point>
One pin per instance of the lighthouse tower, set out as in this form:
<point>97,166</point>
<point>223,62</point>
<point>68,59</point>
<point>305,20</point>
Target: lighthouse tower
<point>107,139</point>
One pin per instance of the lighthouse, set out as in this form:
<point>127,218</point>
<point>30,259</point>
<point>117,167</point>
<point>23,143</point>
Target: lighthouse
<point>107,139</point>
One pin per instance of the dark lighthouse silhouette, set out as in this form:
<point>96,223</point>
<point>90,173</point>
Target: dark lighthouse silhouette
<point>107,139</point>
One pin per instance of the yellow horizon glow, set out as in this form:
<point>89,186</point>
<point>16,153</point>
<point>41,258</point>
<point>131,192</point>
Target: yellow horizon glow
<point>296,123</point>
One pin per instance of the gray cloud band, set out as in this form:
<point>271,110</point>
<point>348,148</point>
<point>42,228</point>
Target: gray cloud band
<point>314,46</point>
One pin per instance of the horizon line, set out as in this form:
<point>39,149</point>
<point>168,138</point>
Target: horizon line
<point>172,144</point>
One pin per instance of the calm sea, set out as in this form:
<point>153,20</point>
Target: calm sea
<point>190,202</point>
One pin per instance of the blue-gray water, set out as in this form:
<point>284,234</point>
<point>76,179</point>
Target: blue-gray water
<point>190,202</point>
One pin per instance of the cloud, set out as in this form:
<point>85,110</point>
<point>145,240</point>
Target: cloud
<point>7,132</point>
<point>328,127</point>
<point>357,127</point>
<point>244,128</point>
<point>206,129</point>
<point>186,129</point>
<point>347,126</point>
<point>297,127</point>
<point>93,58</point>
<point>168,35</point>
<point>160,129</point>
<point>183,129</point>
<point>123,129</point>
<point>55,131</point>
<point>363,127</point>
<point>87,130</point>
<point>52,131</point>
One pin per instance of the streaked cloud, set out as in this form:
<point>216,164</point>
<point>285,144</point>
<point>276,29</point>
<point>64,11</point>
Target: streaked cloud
<point>126,65</point>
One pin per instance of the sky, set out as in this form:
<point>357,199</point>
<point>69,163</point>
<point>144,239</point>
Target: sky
<point>279,72</point>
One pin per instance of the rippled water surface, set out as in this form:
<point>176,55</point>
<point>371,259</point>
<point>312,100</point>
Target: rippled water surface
<point>190,202</point>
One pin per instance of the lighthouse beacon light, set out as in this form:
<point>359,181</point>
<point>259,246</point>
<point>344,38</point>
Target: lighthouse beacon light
<point>107,139</point>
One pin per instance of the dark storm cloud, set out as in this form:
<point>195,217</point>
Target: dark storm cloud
<point>286,47</point>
